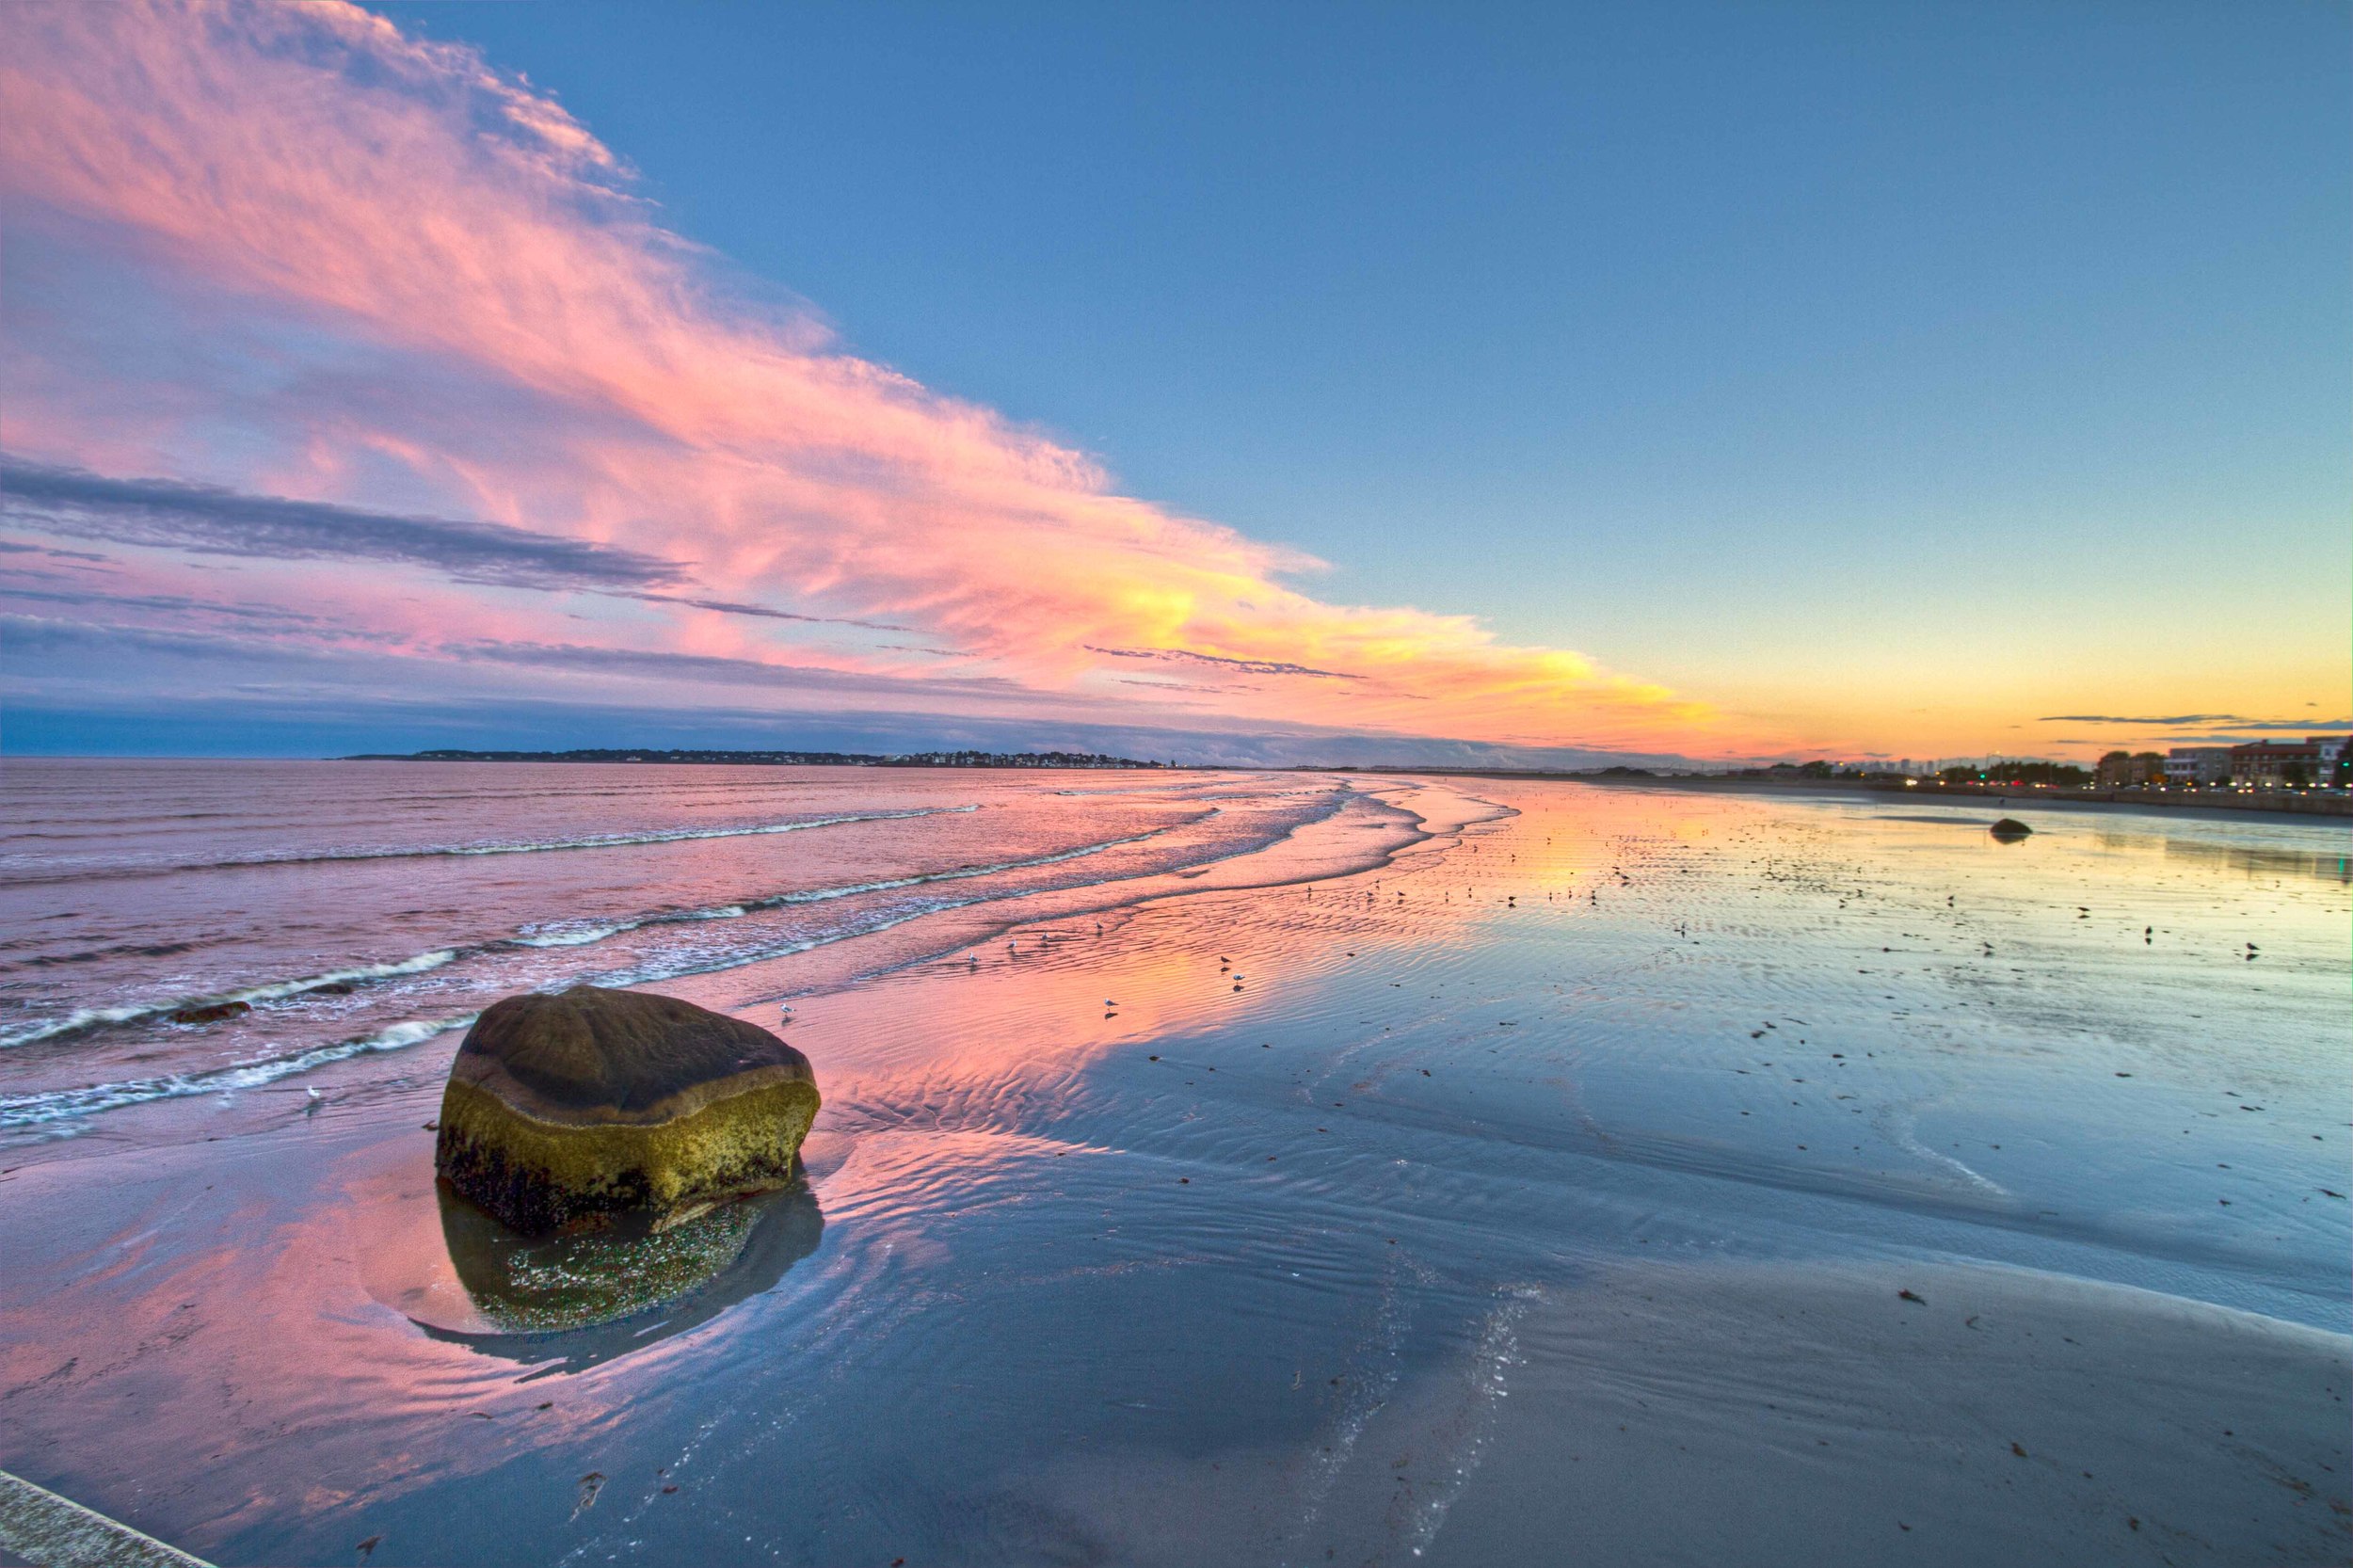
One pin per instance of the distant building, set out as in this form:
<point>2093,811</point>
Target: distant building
<point>2286,764</point>
<point>2193,767</point>
<point>2126,770</point>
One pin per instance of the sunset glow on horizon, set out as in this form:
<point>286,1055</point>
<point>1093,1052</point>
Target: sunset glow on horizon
<point>346,370</point>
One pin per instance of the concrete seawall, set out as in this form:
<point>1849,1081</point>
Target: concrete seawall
<point>41,1527</point>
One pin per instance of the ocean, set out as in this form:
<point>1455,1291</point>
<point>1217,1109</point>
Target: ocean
<point>338,910</point>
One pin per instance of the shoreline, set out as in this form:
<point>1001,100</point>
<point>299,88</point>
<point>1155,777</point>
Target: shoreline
<point>1333,846</point>
<point>1038,761</point>
<point>2259,807</point>
<point>2267,805</point>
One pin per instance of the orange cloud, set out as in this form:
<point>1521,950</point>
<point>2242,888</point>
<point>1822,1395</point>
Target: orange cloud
<point>314,166</point>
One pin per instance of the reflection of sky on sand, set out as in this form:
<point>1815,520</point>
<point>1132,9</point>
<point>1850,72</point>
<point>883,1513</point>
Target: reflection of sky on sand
<point>1106,1239</point>
<point>2259,860</point>
<point>1911,1004</point>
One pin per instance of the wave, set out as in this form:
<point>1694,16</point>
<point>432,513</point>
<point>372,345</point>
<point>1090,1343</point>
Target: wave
<point>584,936</point>
<point>551,935</point>
<point>649,974</point>
<point>276,990</point>
<point>99,1017</point>
<point>21,1113</point>
<point>99,956</point>
<point>530,846</point>
<point>64,1105</point>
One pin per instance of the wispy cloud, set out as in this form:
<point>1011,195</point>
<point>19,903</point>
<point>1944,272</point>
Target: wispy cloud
<point>167,604</point>
<point>17,547</point>
<point>193,650</point>
<point>763,612</point>
<point>213,520</point>
<point>2201,721</point>
<point>701,668</point>
<point>32,638</point>
<point>1248,666</point>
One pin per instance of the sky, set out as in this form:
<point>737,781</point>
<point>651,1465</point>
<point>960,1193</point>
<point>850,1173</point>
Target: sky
<point>1313,383</point>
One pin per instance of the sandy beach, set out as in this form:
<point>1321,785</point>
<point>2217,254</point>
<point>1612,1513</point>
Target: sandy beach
<point>1613,1175</point>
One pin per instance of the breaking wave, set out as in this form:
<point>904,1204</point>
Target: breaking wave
<point>528,846</point>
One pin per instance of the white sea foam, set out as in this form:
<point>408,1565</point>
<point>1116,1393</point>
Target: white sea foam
<point>574,937</point>
<point>277,990</point>
<point>651,974</point>
<point>662,835</point>
<point>80,1018</point>
<point>585,935</point>
<point>582,936</point>
<point>69,1105</point>
<point>61,1109</point>
<point>526,846</point>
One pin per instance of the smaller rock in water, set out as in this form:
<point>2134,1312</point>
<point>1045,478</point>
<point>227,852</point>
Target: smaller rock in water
<point>2010,830</point>
<point>210,1013</point>
<point>592,1102</point>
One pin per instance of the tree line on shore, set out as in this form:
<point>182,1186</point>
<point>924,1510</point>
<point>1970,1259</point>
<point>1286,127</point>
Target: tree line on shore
<point>773,759</point>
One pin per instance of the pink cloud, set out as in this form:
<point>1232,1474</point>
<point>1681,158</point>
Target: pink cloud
<point>396,201</point>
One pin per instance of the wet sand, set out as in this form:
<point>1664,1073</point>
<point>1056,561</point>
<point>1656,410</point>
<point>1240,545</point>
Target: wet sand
<point>1706,1414</point>
<point>1338,1218</point>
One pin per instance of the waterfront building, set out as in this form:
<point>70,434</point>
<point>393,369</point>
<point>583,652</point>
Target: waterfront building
<point>2194,767</point>
<point>2286,764</point>
<point>2125,770</point>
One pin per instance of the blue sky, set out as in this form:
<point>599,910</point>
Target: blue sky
<point>1667,318</point>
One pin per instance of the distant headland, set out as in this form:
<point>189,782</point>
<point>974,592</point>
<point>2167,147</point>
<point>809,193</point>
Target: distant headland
<point>774,758</point>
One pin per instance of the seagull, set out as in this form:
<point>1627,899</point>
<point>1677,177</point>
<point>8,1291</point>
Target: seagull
<point>316,1100</point>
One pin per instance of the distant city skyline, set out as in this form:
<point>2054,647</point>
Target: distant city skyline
<point>1475,386</point>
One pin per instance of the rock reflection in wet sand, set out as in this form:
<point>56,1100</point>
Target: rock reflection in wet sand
<point>591,1296</point>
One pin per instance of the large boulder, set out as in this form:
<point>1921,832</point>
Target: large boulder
<point>592,1102</point>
